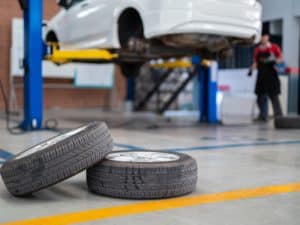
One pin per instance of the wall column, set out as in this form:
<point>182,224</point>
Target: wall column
<point>291,27</point>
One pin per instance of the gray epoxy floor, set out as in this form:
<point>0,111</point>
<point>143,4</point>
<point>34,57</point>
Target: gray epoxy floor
<point>249,157</point>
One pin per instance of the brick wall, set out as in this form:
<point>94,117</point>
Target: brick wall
<point>64,98</point>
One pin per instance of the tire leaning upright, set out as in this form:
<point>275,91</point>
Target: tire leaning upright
<point>56,159</point>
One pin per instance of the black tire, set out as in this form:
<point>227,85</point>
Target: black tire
<point>290,122</point>
<point>130,26</point>
<point>56,159</point>
<point>51,38</point>
<point>130,69</point>
<point>143,180</point>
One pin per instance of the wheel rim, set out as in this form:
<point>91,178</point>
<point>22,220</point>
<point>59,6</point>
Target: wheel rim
<point>52,141</point>
<point>142,157</point>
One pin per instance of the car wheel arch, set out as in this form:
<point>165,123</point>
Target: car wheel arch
<point>129,14</point>
<point>51,36</point>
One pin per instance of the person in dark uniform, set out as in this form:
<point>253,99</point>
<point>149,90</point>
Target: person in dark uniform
<point>266,56</point>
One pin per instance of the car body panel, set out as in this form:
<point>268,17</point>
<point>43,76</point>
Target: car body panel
<point>227,18</point>
<point>94,23</point>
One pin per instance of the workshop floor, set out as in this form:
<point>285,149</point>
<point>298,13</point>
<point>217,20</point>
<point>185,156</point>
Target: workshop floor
<point>247,175</point>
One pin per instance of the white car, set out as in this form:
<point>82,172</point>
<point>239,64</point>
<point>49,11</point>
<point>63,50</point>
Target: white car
<point>155,27</point>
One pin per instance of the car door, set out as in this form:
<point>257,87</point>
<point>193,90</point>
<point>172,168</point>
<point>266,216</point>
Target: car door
<point>101,20</point>
<point>75,29</point>
<point>89,22</point>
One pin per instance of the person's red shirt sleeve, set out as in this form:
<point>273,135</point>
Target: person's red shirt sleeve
<point>255,55</point>
<point>277,51</point>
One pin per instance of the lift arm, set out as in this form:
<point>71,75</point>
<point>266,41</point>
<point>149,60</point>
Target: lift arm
<point>175,64</point>
<point>58,56</point>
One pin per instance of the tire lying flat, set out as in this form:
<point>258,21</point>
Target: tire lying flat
<point>290,122</point>
<point>56,159</point>
<point>143,175</point>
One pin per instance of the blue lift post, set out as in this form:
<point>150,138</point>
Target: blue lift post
<point>130,95</point>
<point>208,88</point>
<point>33,81</point>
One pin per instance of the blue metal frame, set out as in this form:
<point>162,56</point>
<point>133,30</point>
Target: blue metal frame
<point>130,95</point>
<point>208,88</point>
<point>203,94</point>
<point>212,89</point>
<point>33,81</point>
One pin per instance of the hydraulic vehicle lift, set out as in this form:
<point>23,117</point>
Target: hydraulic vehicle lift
<point>205,71</point>
<point>36,51</point>
<point>168,68</point>
<point>54,54</point>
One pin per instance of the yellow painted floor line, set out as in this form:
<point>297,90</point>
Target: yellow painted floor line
<point>160,205</point>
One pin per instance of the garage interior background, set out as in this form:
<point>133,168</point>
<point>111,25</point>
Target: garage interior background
<point>54,97</point>
<point>284,24</point>
<point>244,167</point>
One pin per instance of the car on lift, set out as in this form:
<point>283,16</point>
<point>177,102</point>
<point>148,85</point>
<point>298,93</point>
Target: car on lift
<point>144,29</point>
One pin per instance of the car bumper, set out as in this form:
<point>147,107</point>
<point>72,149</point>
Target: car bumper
<point>235,20</point>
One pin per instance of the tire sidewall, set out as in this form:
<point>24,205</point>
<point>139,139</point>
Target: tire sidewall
<point>183,160</point>
<point>50,147</point>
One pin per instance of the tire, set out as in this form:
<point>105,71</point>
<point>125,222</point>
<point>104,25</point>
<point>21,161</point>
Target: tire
<point>51,37</point>
<point>56,159</point>
<point>291,122</point>
<point>143,179</point>
<point>131,29</point>
<point>130,69</point>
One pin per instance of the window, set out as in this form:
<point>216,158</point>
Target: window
<point>242,58</point>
